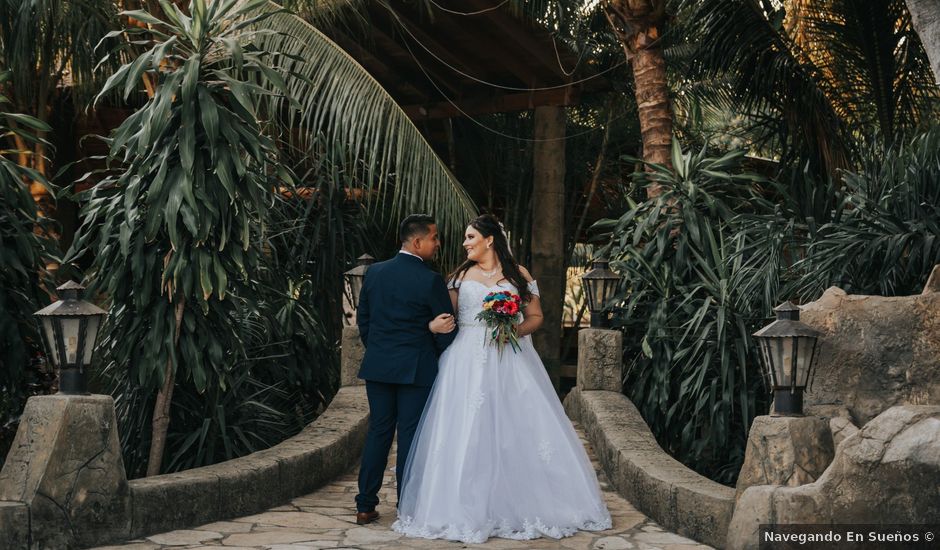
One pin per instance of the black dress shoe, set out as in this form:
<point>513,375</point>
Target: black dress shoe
<point>365,518</point>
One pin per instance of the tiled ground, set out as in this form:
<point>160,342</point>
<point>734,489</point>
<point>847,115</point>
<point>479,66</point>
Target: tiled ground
<point>326,519</point>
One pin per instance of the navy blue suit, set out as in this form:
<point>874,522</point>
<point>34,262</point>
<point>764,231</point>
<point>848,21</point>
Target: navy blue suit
<point>399,298</point>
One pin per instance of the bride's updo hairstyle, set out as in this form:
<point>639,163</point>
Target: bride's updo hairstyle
<point>489,226</point>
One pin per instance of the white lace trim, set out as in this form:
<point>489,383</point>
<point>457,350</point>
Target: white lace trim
<point>531,529</point>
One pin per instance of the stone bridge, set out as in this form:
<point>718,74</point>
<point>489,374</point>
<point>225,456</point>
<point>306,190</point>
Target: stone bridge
<point>63,484</point>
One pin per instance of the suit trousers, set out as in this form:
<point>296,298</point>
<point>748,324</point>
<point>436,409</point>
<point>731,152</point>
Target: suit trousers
<point>391,406</point>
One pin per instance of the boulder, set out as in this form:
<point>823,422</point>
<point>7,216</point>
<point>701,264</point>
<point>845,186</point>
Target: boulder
<point>785,450</point>
<point>875,352</point>
<point>885,474</point>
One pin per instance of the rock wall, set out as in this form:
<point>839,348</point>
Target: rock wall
<point>886,473</point>
<point>785,450</point>
<point>657,484</point>
<point>876,352</point>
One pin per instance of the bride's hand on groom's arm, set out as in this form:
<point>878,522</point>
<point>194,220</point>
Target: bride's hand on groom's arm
<point>442,324</point>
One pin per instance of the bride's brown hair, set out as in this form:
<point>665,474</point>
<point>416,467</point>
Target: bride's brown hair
<point>489,226</point>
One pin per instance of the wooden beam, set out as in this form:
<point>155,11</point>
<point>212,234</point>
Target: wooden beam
<point>391,47</point>
<point>499,104</point>
<point>480,67</point>
<point>526,37</point>
<point>388,76</point>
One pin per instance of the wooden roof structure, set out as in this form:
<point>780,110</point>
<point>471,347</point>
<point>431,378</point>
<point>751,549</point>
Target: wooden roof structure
<point>477,58</point>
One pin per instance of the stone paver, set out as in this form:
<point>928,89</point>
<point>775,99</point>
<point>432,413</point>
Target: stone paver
<point>326,519</point>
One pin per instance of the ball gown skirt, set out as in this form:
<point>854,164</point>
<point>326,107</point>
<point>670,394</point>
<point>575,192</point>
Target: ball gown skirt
<point>494,454</point>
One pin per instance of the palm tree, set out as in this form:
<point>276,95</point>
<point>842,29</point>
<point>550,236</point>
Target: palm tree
<point>925,16</point>
<point>639,25</point>
<point>815,77</point>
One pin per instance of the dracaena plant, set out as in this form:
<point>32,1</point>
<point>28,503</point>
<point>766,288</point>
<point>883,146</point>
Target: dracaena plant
<point>174,228</point>
<point>690,303</point>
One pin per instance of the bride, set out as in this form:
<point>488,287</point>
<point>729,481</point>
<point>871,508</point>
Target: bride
<point>494,454</point>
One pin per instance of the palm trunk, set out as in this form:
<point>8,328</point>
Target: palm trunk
<point>636,23</point>
<point>925,16</point>
<point>161,409</point>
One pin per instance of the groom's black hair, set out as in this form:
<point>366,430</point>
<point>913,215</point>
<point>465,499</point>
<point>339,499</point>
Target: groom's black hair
<point>415,225</point>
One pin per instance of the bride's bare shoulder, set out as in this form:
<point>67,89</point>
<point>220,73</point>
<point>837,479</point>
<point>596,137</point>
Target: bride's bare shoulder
<point>525,273</point>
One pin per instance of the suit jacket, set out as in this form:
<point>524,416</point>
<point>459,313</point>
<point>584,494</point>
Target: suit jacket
<point>398,298</point>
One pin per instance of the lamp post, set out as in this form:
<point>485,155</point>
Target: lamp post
<point>600,283</point>
<point>69,329</point>
<point>355,276</point>
<point>788,352</point>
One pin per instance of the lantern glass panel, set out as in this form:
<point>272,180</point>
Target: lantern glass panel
<point>597,289</point>
<point>804,359</point>
<point>49,336</point>
<point>91,331</point>
<point>783,361</point>
<point>70,328</point>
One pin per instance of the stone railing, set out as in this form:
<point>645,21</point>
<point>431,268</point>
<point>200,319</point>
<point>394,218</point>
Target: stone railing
<point>63,484</point>
<point>657,484</point>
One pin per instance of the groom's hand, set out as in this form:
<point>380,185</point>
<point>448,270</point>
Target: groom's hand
<point>442,324</point>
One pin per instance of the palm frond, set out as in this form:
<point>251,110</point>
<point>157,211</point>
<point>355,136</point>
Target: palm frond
<point>342,103</point>
<point>877,74</point>
<point>744,45</point>
<point>49,43</point>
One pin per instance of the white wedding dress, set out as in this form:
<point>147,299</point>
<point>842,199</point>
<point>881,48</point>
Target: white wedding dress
<point>494,454</point>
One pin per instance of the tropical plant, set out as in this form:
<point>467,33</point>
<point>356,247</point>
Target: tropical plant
<point>24,253</point>
<point>175,231</point>
<point>50,46</point>
<point>884,236</point>
<point>690,305</point>
<point>640,25</point>
<point>190,240</point>
<point>814,78</point>
<point>380,150</point>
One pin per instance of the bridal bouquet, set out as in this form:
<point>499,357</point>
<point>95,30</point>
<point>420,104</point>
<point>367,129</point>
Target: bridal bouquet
<point>501,312</point>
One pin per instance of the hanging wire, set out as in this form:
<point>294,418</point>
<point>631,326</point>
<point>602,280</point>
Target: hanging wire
<point>478,12</point>
<point>493,84</point>
<point>493,130</point>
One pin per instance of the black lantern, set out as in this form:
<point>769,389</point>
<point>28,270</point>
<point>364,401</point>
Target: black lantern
<point>788,351</point>
<point>355,276</point>
<point>69,329</point>
<point>600,284</point>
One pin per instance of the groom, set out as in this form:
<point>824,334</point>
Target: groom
<point>401,300</point>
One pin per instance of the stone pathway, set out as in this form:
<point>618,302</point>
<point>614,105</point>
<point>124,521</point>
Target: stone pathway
<point>326,519</point>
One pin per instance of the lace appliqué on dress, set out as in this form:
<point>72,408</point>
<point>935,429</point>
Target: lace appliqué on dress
<point>530,529</point>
